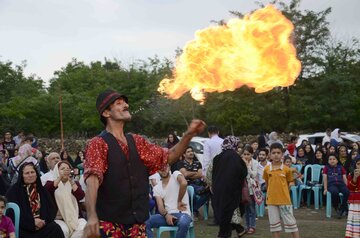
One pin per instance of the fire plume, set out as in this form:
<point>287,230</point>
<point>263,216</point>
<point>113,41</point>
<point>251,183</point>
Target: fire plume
<point>255,51</point>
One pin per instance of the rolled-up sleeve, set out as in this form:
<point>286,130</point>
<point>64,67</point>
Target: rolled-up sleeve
<point>153,156</point>
<point>96,158</point>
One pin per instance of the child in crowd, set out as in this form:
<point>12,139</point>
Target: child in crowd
<point>252,167</point>
<point>6,225</point>
<point>353,220</point>
<point>292,146</point>
<point>334,176</point>
<point>296,174</point>
<point>278,179</point>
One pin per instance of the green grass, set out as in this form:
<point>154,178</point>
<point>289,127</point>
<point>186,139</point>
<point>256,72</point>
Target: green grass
<point>312,224</point>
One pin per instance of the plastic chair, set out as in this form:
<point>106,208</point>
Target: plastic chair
<point>298,167</point>
<point>206,210</point>
<point>315,178</point>
<point>329,205</point>
<point>294,196</point>
<point>16,209</point>
<point>173,229</point>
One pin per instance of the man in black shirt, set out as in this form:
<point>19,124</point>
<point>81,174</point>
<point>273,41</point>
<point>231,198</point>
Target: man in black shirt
<point>9,144</point>
<point>191,168</point>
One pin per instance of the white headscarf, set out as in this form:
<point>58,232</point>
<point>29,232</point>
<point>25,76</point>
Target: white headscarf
<point>25,155</point>
<point>66,202</point>
<point>335,135</point>
<point>274,139</point>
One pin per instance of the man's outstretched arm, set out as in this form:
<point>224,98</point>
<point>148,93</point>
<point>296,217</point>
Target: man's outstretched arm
<point>196,127</point>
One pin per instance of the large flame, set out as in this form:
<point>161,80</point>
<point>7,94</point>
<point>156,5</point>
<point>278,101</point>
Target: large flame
<point>255,51</point>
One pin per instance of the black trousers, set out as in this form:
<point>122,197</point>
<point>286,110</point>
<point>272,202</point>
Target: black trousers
<point>226,230</point>
<point>51,229</point>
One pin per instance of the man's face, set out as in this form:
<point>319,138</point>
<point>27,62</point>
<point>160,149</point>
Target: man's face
<point>255,146</point>
<point>118,111</point>
<point>53,161</point>
<point>164,173</point>
<point>262,156</point>
<point>189,154</point>
<point>7,135</point>
<point>276,155</point>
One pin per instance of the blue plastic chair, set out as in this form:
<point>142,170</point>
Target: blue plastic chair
<point>315,178</point>
<point>329,205</point>
<point>316,174</point>
<point>16,209</point>
<point>294,196</point>
<point>294,189</point>
<point>297,166</point>
<point>173,229</point>
<point>206,210</point>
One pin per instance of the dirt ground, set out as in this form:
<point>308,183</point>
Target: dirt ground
<point>312,224</point>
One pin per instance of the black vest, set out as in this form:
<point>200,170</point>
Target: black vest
<point>123,196</point>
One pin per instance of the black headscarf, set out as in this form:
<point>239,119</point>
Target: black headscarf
<point>18,194</point>
<point>229,171</point>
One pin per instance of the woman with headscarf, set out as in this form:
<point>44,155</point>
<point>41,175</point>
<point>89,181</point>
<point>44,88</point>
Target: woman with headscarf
<point>300,156</point>
<point>309,153</point>
<point>67,194</point>
<point>26,154</point>
<point>35,203</point>
<point>335,138</point>
<point>228,174</point>
<point>318,158</point>
<point>273,138</point>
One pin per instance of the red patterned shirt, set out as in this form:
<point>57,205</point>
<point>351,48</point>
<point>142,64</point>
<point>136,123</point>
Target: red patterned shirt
<point>153,156</point>
<point>354,189</point>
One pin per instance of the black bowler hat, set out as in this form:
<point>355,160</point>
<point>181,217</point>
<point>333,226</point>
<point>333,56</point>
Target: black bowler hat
<point>106,98</point>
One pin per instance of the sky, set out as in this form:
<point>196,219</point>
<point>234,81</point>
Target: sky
<point>49,33</point>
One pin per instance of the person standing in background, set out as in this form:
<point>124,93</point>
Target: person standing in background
<point>212,147</point>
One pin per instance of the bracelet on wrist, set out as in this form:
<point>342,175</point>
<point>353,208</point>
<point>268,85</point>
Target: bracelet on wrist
<point>165,214</point>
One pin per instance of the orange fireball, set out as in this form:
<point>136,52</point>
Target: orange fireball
<point>255,51</point>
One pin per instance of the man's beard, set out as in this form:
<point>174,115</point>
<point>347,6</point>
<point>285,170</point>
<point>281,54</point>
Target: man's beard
<point>166,176</point>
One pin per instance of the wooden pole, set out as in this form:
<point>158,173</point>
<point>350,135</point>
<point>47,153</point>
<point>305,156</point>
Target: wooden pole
<point>61,124</point>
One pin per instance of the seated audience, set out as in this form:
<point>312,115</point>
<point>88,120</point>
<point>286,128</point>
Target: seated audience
<point>7,228</point>
<point>67,194</point>
<point>335,181</point>
<point>26,154</point>
<point>191,168</point>
<point>36,205</point>
<point>173,203</point>
<point>51,160</point>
